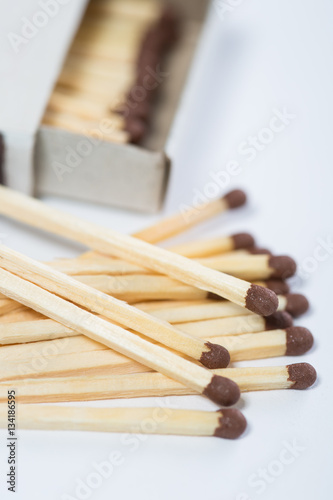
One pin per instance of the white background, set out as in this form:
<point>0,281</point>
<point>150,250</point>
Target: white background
<point>262,56</point>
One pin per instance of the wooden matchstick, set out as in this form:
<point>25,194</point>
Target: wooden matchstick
<point>213,246</point>
<point>187,311</point>
<point>236,325</point>
<point>110,386</point>
<point>180,222</point>
<point>228,424</point>
<point>43,355</point>
<point>31,211</point>
<point>31,331</point>
<point>95,263</point>
<point>292,341</point>
<point>219,389</point>
<point>252,267</point>
<point>209,355</point>
<point>136,287</point>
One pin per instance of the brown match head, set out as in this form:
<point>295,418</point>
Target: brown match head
<point>282,266</point>
<point>297,304</point>
<point>232,424</point>
<point>136,129</point>
<point>222,390</point>
<point>278,321</point>
<point>216,357</point>
<point>302,374</point>
<point>242,240</point>
<point>299,340</point>
<point>279,287</point>
<point>261,300</point>
<point>259,251</point>
<point>235,198</point>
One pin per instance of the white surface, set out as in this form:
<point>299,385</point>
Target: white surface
<point>265,55</point>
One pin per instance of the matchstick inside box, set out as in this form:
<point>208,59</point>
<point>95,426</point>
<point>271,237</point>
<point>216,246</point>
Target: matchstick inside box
<point>109,116</point>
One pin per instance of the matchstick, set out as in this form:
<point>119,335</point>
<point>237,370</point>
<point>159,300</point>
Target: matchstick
<point>241,266</point>
<point>219,389</point>
<point>252,267</point>
<point>297,376</point>
<point>236,325</point>
<point>135,287</point>
<point>95,263</point>
<point>186,311</point>
<point>40,344</point>
<point>209,355</point>
<point>228,424</point>
<point>31,331</point>
<point>31,211</point>
<point>180,222</point>
<point>213,246</point>
<point>292,341</point>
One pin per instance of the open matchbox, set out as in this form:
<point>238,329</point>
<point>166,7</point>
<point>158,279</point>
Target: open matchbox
<point>124,175</point>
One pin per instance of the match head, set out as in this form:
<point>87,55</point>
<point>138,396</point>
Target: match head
<point>278,321</point>
<point>242,240</point>
<point>280,287</point>
<point>232,424</point>
<point>261,300</point>
<point>299,340</point>
<point>235,198</point>
<point>302,374</point>
<point>282,266</point>
<point>216,357</point>
<point>222,390</point>
<point>297,304</point>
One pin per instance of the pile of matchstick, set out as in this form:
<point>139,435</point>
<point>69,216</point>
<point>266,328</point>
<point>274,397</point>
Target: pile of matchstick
<point>130,319</point>
<point>108,82</point>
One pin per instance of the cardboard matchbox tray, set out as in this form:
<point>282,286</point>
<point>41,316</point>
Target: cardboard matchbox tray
<point>94,169</point>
